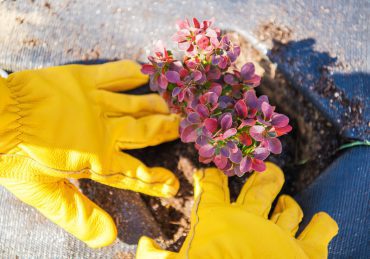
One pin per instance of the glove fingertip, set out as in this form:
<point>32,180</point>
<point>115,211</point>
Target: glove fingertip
<point>148,248</point>
<point>276,171</point>
<point>170,185</point>
<point>330,224</point>
<point>321,229</point>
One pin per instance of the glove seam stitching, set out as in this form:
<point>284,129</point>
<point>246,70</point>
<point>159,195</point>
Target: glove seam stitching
<point>66,173</point>
<point>16,97</point>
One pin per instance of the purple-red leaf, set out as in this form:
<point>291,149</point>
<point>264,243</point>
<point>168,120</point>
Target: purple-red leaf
<point>202,41</point>
<point>251,99</point>
<point>176,91</point>
<point>214,74</point>
<point>266,110</point>
<point>236,156</point>
<point>223,62</point>
<point>148,69</point>
<point>162,81</point>
<point>211,124</point>
<point>189,133</point>
<point>228,133</point>
<point>230,79</point>
<point>274,145</point>
<point>222,162</point>
<point>193,117</point>
<point>196,23</point>
<point>207,150</point>
<point>185,45</point>
<point>224,151</point>
<point>172,76</point>
<point>226,121</point>
<point>279,120</point>
<point>237,171</point>
<point>202,110</point>
<point>205,160</point>
<point>256,132</point>
<point>202,140</point>
<point>247,122</point>
<point>258,165</point>
<point>245,139</point>
<point>283,130</point>
<point>245,164</point>
<point>261,153</point>
<point>247,70</point>
<point>241,109</point>
<point>216,88</point>
<point>197,75</point>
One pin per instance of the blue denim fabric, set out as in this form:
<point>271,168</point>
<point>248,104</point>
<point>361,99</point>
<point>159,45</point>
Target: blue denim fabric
<point>343,191</point>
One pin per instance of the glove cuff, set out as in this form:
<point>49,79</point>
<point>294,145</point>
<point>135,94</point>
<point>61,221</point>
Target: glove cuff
<point>9,116</point>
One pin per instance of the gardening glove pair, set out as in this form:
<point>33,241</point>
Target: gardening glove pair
<point>220,229</point>
<point>69,122</point>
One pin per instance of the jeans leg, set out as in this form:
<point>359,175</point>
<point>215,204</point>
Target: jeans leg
<point>343,191</point>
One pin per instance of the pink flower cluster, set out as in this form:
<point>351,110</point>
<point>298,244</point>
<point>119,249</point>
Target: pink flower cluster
<point>229,124</point>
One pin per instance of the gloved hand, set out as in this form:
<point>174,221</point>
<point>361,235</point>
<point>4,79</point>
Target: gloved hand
<point>67,122</point>
<point>220,229</point>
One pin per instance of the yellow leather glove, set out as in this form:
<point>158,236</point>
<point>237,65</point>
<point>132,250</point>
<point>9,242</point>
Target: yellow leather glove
<point>68,122</point>
<point>220,229</point>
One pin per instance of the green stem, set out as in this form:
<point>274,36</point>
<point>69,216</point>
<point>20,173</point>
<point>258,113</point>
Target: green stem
<point>354,144</point>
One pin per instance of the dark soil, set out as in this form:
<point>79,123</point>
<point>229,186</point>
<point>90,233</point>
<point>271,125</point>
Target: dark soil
<point>307,150</point>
